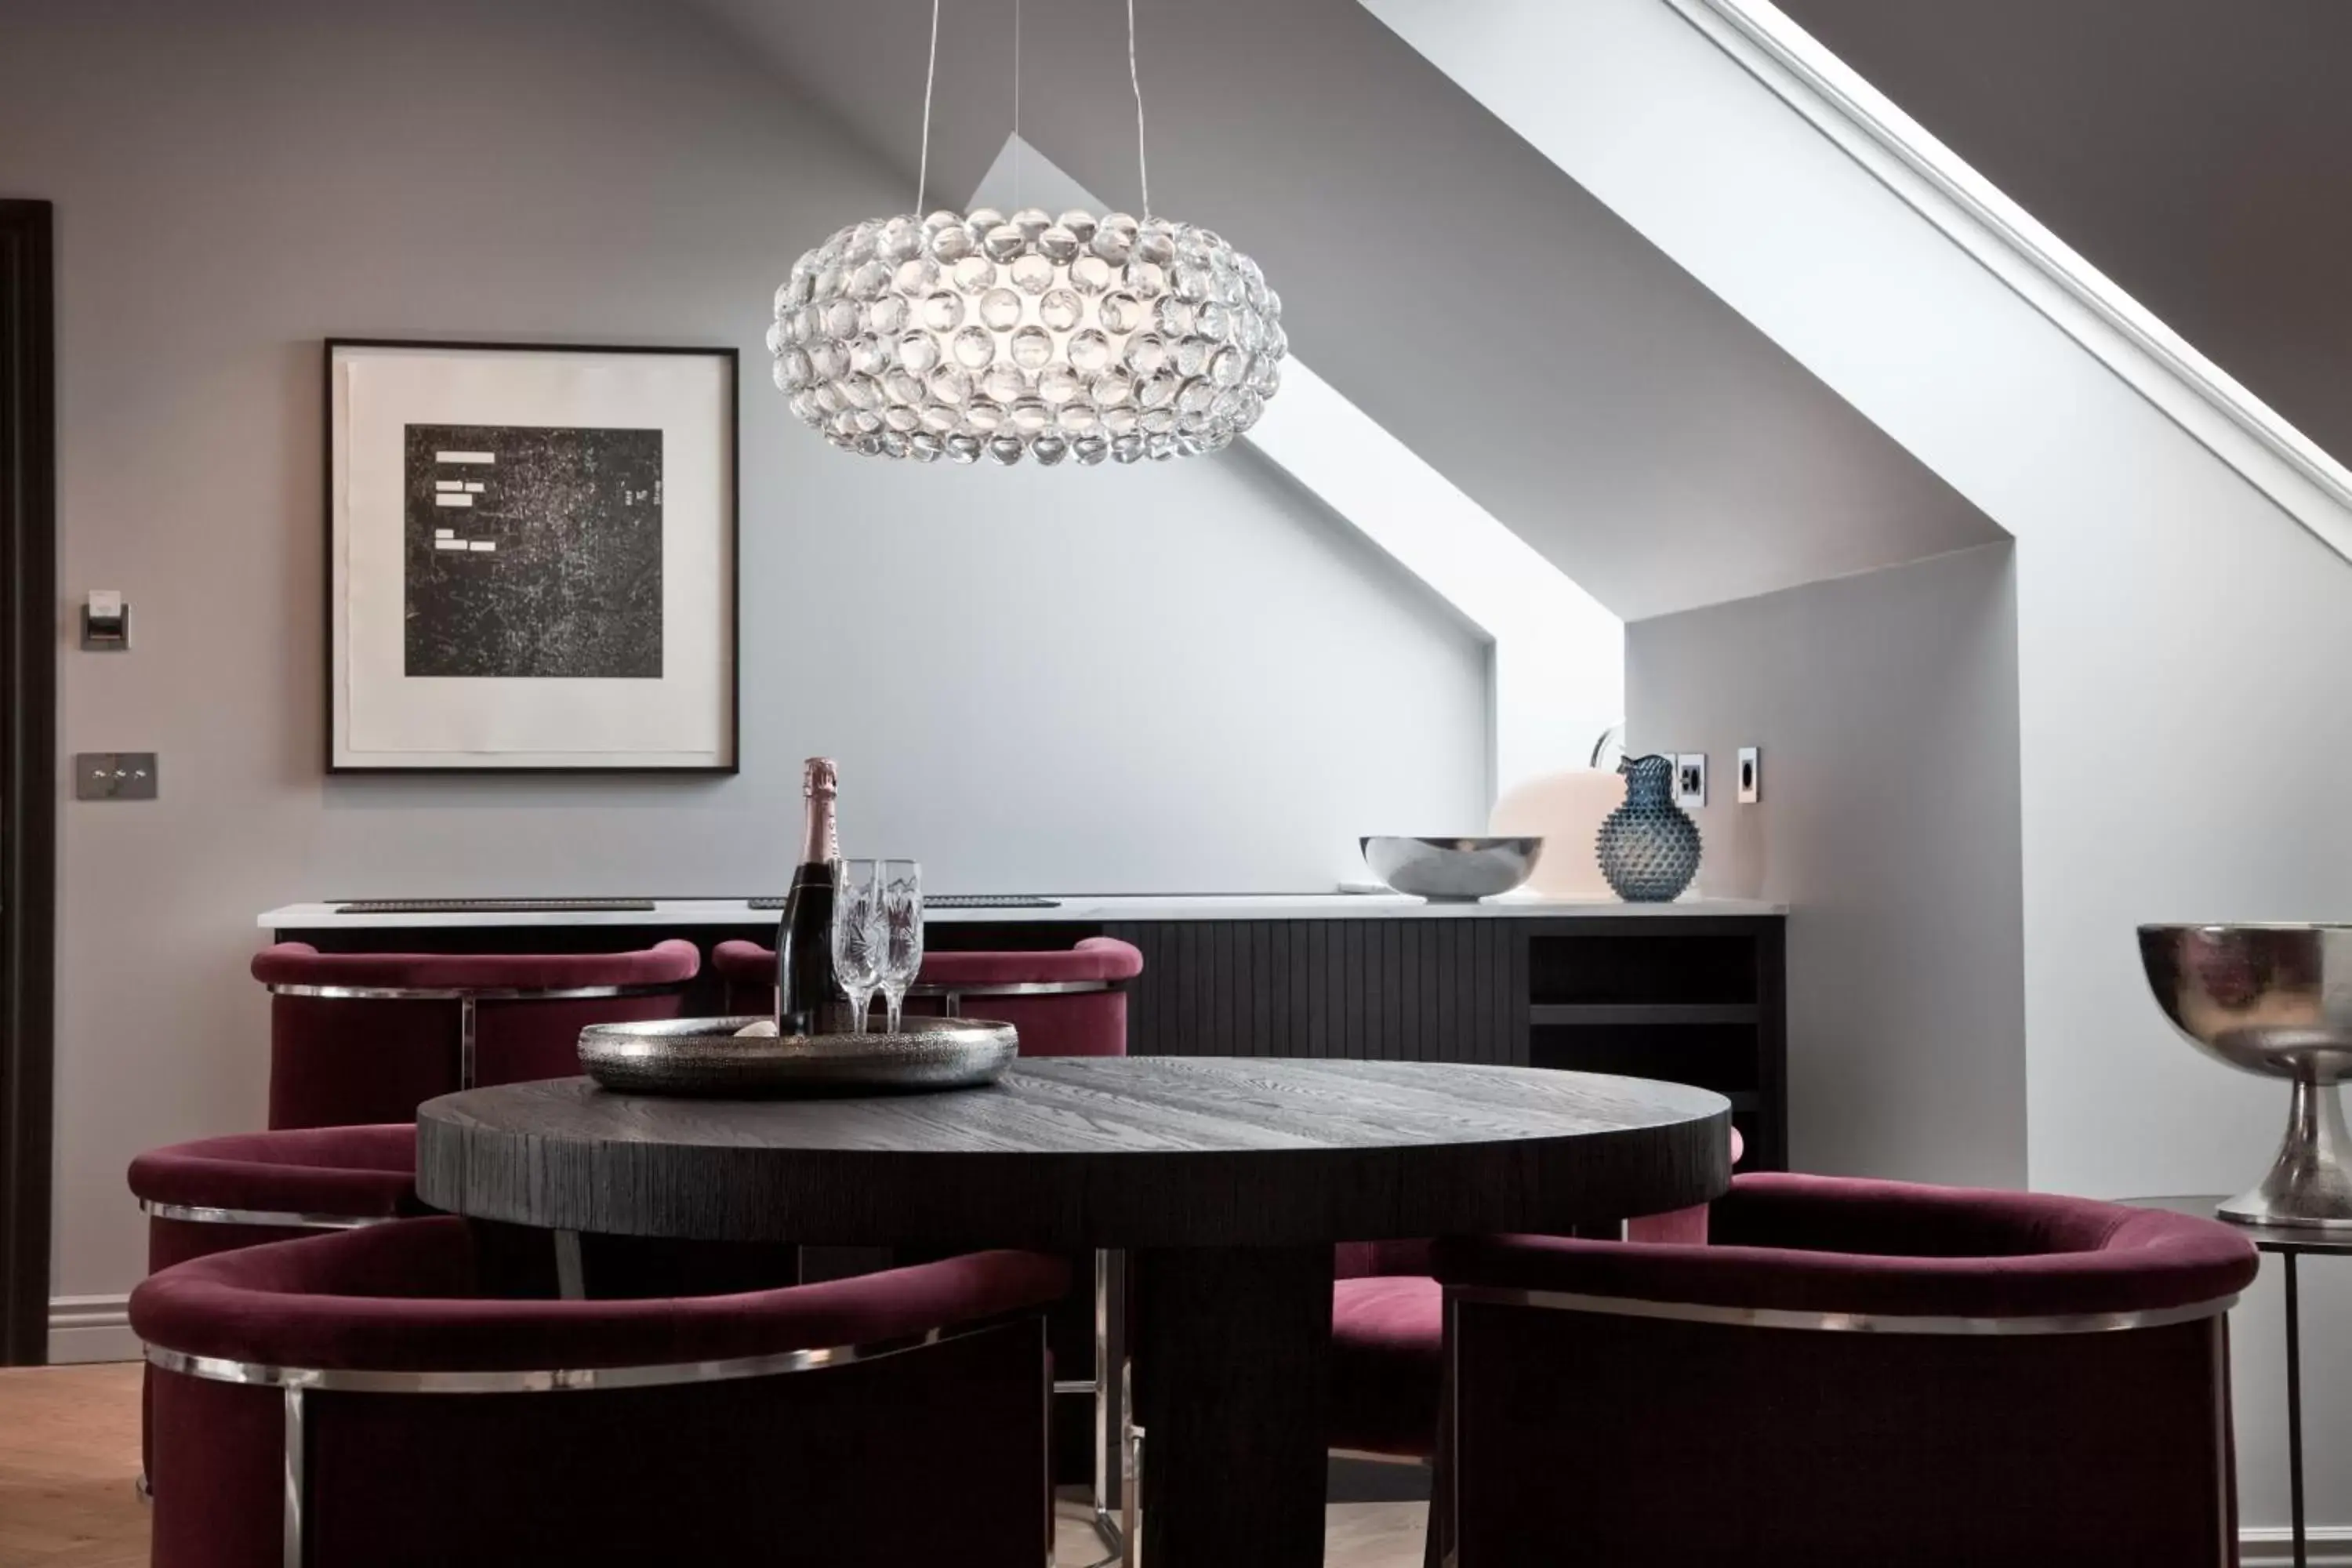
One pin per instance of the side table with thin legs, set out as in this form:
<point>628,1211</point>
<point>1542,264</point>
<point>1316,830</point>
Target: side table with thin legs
<point>2290,1242</point>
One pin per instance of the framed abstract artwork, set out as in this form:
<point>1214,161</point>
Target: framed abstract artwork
<point>531,558</point>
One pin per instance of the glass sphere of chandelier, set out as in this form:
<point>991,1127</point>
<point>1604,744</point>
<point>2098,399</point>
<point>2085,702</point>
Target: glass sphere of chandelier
<point>1078,337</point>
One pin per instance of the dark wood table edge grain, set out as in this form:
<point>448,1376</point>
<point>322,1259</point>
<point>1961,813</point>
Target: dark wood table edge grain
<point>730,1190</point>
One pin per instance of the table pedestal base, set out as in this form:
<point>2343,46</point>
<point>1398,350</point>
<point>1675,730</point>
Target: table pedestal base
<point>1230,1351</point>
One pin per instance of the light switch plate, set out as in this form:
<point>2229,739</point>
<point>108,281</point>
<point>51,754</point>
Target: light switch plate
<point>1751,775</point>
<point>1690,780</point>
<point>114,775</point>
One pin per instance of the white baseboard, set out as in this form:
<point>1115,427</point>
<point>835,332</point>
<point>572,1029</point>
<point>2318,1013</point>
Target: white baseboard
<point>2272,1546</point>
<point>90,1328</point>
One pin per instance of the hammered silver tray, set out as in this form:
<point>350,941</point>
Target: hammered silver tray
<point>710,1058</point>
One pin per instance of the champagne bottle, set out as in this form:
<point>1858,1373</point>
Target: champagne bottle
<point>806,989</point>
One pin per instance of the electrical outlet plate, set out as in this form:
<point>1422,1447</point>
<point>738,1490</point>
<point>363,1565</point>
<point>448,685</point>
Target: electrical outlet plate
<point>114,775</point>
<point>1690,780</point>
<point>1751,775</point>
<point>105,623</point>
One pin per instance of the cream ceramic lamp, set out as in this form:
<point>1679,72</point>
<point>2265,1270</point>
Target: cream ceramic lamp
<point>1565,809</point>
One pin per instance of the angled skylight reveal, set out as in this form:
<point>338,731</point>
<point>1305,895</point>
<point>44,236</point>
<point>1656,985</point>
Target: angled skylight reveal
<point>1558,674</point>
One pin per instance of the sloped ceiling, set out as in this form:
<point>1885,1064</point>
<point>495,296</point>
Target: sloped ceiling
<point>2197,151</point>
<point>1443,275</point>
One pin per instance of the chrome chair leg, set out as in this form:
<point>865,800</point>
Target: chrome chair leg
<point>1130,1465</point>
<point>571,1276</point>
<point>1109,1428</point>
<point>1130,1452</point>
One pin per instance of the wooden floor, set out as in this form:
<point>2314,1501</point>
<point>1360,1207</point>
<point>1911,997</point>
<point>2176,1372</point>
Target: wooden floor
<point>69,1453</point>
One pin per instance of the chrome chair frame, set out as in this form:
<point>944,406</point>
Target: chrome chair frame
<point>273,1219</point>
<point>298,1381</point>
<point>469,998</point>
<point>951,997</point>
<point>1127,1548</point>
<point>1832,1323</point>
<point>1114,1429</point>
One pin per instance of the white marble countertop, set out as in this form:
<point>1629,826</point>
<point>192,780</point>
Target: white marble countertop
<point>1082,909</point>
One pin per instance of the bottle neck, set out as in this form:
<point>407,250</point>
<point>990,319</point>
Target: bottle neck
<point>822,842</point>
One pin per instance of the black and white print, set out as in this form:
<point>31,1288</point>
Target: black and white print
<point>533,552</point>
<point>531,558</point>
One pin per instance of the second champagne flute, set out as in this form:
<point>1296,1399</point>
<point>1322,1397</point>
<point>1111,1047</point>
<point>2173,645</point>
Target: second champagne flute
<point>902,892</point>
<point>857,936</point>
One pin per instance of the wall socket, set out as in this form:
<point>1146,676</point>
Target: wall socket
<point>1751,775</point>
<point>105,623</point>
<point>114,775</point>
<point>1690,780</point>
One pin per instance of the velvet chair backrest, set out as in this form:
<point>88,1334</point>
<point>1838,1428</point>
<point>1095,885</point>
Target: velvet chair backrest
<point>201,1196</point>
<point>795,1465</point>
<point>341,1060</point>
<point>1829,1244</point>
<point>1085,1023</point>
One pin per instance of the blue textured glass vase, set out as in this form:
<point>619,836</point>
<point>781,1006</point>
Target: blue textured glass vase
<point>1649,847</point>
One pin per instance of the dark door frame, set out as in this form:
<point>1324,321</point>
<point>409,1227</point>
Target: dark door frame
<point>28,771</point>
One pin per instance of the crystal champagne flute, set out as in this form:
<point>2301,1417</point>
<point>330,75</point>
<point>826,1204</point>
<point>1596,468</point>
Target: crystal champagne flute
<point>900,884</point>
<point>857,936</point>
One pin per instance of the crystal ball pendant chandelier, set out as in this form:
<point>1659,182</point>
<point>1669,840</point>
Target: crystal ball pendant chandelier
<point>978,334</point>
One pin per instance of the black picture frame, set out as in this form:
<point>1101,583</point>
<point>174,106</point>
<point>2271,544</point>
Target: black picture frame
<point>29,775</point>
<point>329,617</point>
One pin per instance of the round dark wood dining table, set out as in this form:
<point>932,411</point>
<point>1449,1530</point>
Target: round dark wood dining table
<point>1230,1177</point>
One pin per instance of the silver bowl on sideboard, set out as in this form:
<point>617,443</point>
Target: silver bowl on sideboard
<point>2275,1000</point>
<point>1452,870</point>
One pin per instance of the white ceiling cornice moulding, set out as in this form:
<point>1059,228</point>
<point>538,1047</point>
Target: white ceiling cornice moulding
<point>2224,416</point>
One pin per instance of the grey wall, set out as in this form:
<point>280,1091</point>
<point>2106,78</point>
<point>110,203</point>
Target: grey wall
<point>1185,677</point>
<point>2197,151</point>
<point>1887,708</point>
<point>2183,736</point>
<point>1480,304</point>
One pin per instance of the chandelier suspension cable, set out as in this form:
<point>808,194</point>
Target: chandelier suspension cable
<point>931,74</point>
<point>1016,105</point>
<point>1142,169</point>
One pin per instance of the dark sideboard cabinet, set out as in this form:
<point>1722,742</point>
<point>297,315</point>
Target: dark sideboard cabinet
<point>1692,998</point>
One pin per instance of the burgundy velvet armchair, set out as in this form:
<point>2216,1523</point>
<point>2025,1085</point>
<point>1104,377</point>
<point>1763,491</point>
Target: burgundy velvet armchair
<point>218,1194</point>
<point>1848,1372</point>
<point>358,1400</point>
<point>359,1038</point>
